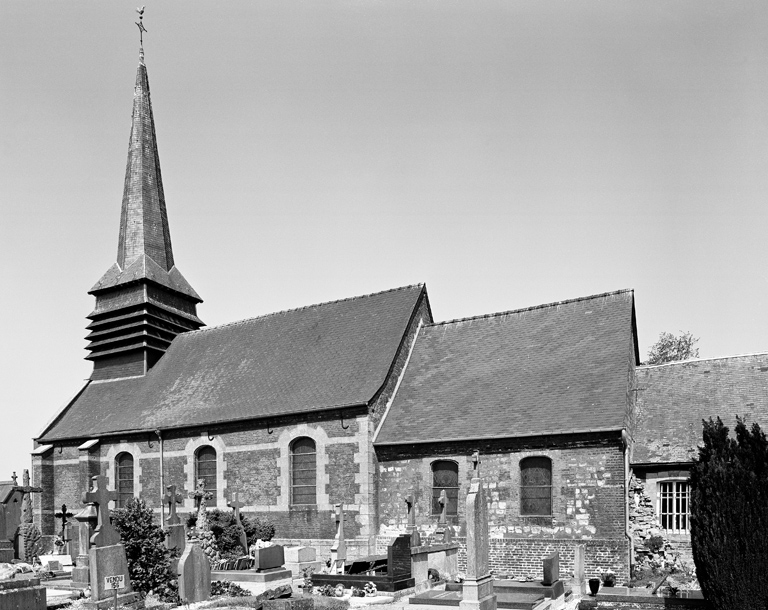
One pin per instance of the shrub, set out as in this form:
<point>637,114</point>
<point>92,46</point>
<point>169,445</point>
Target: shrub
<point>228,588</point>
<point>729,522</point>
<point>222,524</point>
<point>149,562</point>
<point>654,544</point>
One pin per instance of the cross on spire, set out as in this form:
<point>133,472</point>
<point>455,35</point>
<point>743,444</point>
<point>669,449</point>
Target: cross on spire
<point>142,29</point>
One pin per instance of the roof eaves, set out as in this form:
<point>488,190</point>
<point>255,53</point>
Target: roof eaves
<point>499,437</point>
<point>62,410</point>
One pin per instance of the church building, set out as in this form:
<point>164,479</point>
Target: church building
<point>363,401</point>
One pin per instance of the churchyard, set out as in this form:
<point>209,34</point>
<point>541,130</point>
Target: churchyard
<point>123,558</point>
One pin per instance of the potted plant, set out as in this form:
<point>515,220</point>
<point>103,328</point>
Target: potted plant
<point>609,579</point>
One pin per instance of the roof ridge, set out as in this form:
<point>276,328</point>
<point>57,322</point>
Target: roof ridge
<point>689,360</point>
<point>292,310</point>
<point>533,308</point>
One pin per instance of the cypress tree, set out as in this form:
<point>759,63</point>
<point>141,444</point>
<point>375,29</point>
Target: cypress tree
<point>729,516</point>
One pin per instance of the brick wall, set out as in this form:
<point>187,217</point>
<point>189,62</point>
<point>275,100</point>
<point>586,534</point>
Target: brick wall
<point>588,488</point>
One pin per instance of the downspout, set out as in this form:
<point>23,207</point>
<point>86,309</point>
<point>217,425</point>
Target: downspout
<point>162,480</point>
<point>626,441</point>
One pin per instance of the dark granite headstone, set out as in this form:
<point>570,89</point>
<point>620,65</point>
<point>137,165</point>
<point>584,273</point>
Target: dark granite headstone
<point>399,557</point>
<point>551,569</point>
<point>268,558</point>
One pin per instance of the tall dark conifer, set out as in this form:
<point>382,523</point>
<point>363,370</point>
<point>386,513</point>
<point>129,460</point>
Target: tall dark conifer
<point>729,516</point>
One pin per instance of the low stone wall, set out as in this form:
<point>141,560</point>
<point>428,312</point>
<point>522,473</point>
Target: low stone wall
<point>621,598</point>
<point>22,594</point>
<point>520,558</point>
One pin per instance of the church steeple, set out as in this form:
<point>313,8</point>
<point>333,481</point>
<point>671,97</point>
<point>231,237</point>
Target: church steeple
<point>142,301</point>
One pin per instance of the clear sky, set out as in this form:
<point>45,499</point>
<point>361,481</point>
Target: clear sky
<point>508,153</point>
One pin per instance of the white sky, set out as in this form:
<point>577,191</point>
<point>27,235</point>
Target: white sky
<point>508,153</point>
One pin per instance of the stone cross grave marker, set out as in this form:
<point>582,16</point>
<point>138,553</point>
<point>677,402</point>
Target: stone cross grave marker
<point>105,534</point>
<point>171,498</point>
<point>443,502</point>
<point>410,503</point>
<point>339,547</point>
<point>15,479</point>
<point>29,535</point>
<point>177,536</point>
<point>476,461</point>
<point>235,504</point>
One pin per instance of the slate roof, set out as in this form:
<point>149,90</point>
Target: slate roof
<point>6,489</point>
<point>551,369</point>
<point>673,398</point>
<point>318,357</point>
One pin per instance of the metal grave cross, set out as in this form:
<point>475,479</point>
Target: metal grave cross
<point>64,515</point>
<point>104,534</point>
<point>235,504</point>
<point>171,498</point>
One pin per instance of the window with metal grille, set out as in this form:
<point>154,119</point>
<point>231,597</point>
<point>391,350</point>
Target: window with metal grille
<point>536,487</point>
<point>303,472</point>
<point>124,479</point>
<point>205,469</point>
<point>674,506</point>
<point>445,476</point>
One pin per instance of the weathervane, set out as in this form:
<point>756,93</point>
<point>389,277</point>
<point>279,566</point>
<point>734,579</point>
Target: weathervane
<point>142,29</point>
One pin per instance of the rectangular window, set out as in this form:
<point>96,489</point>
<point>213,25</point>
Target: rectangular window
<point>674,506</point>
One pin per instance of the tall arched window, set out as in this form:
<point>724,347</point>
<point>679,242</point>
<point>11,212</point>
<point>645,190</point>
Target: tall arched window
<point>536,487</point>
<point>124,478</point>
<point>445,477</point>
<point>303,471</point>
<point>205,469</point>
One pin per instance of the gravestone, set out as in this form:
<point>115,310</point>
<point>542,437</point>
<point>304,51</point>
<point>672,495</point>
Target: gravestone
<point>177,536</point>
<point>194,574</point>
<point>444,532</point>
<point>106,556</point>
<point>6,546</point>
<point>411,527</point>
<point>551,569</point>
<point>578,564</point>
<point>236,505</point>
<point>477,590</point>
<point>339,547</point>
<point>299,558</point>
<point>268,558</point>
<point>86,518</point>
<point>28,537</point>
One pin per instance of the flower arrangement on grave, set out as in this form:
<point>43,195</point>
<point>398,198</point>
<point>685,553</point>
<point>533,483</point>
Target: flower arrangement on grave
<point>328,591</point>
<point>306,574</point>
<point>355,592</point>
<point>339,590</point>
<point>58,542</point>
<point>202,531</point>
<point>609,578</point>
<point>370,589</point>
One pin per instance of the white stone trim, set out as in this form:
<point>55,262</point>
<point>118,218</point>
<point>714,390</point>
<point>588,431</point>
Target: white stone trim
<point>114,450</point>
<point>190,451</point>
<point>320,437</point>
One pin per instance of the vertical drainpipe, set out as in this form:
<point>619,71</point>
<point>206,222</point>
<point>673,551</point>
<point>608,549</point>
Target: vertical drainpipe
<point>162,480</point>
<point>626,441</point>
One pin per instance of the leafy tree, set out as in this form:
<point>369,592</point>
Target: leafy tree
<point>670,348</point>
<point>149,562</point>
<point>729,520</point>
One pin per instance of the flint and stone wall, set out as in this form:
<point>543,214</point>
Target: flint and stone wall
<point>588,499</point>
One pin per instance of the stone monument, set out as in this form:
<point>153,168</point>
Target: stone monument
<point>236,505</point>
<point>177,536</point>
<point>6,546</point>
<point>28,538</point>
<point>477,590</point>
<point>411,527</point>
<point>106,555</point>
<point>86,518</point>
<point>202,529</point>
<point>444,532</point>
<point>339,547</point>
<point>194,574</point>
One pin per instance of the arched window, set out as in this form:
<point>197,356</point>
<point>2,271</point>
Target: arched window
<point>124,479</point>
<point>205,469</point>
<point>303,471</point>
<point>536,487</point>
<point>445,477</point>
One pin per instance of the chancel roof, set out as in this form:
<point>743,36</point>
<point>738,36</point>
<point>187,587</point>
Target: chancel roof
<point>673,398</point>
<point>315,358</point>
<point>552,369</point>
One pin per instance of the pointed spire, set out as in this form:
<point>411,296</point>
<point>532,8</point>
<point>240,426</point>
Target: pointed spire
<point>143,300</point>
